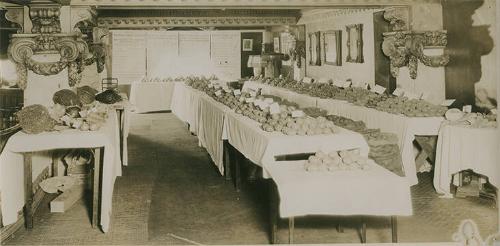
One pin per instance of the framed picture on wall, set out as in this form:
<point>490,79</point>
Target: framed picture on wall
<point>314,49</point>
<point>355,43</point>
<point>247,45</point>
<point>332,47</point>
<point>276,45</point>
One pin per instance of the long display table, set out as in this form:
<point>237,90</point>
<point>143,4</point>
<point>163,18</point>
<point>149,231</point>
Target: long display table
<point>151,96</point>
<point>406,128</point>
<point>12,159</point>
<point>204,114</point>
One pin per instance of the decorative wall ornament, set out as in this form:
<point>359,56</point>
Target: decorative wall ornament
<point>314,49</point>
<point>98,56</point>
<point>83,14</point>
<point>148,22</point>
<point>45,19</point>
<point>16,16</point>
<point>398,17</point>
<point>328,15</point>
<point>70,47</point>
<point>355,43</point>
<point>406,48</point>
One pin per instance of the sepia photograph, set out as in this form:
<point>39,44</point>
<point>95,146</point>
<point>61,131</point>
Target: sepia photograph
<point>249,122</point>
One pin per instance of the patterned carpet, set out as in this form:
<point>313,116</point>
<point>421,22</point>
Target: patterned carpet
<point>171,193</point>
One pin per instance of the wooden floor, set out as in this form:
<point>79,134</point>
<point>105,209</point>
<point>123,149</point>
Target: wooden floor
<point>171,193</point>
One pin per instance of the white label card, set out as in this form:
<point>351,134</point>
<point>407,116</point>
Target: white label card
<point>398,92</point>
<point>218,93</point>
<point>339,83</point>
<point>346,84</point>
<point>378,89</point>
<point>237,92</point>
<point>274,108</point>
<point>467,108</point>
<point>448,102</point>
<point>298,113</point>
<point>307,80</point>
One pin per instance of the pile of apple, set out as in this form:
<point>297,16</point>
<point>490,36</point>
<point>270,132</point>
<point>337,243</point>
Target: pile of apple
<point>410,107</point>
<point>336,161</point>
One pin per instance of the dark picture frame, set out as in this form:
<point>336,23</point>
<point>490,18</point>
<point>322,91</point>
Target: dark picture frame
<point>355,43</point>
<point>247,45</point>
<point>332,47</point>
<point>314,48</point>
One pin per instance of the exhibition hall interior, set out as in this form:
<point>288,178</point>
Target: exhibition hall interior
<point>244,122</point>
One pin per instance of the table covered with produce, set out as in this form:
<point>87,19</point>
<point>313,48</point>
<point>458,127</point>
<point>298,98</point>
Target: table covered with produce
<point>81,119</point>
<point>397,115</point>
<point>151,95</point>
<point>469,142</point>
<point>344,190</point>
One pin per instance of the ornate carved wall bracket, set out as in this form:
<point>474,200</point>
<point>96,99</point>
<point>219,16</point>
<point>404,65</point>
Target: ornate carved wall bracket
<point>98,56</point>
<point>16,16</point>
<point>406,48</point>
<point>71,48</point>
<point>45,18</point>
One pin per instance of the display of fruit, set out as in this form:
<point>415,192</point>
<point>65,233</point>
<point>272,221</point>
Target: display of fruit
<point>90,117</point>
<point>478,120</point>
<point>35,119</point>
<point>336,161</point>
<point>299,126</point>
<point>411,107</point>
<point>66,97</point>
<point>86,94</point>
<point>362,97</point>
<point>108,96</point>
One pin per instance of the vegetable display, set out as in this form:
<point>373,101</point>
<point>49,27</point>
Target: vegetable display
<point>35,119</point>
<point>336,161</point>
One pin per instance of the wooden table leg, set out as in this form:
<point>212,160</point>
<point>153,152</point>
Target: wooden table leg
<point>273,212</point>
<point>340,228</point>
<point>363,232</point>
<point>28,190</point>
<point>237,170</point>
<point>55,164</point>
<point>291,228</point>
<point>227,159</point>
<point>96,185</point>
<point>394,229</point>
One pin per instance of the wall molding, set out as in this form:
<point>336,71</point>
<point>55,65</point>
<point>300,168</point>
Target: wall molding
<point>150,22</point>
<point>317,16</point>
<point>247,3</point>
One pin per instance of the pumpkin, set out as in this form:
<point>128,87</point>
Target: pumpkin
<point>66,97</point>
<point>86,94</point>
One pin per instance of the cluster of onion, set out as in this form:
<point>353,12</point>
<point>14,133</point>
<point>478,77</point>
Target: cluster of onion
<point>336,161</point>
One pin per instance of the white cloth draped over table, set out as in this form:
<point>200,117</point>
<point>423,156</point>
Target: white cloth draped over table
<point>186,104</point>
<point>341,192</point>
<point>406,128</point>
<point>261,147</point>
<point>246,135</point>
<point>151,96</point>
<point>11,163</point>
<point>211,129</point>
<point>460,148</point>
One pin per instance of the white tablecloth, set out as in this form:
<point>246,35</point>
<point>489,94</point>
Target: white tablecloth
<point>186,105</point>
<point>376,191</point>
<point>151,96</point>
<point>261,147</point>
<point>406,128</point>
<point>460,148</point>
<point>211,129</point>
<point>11,163</point>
